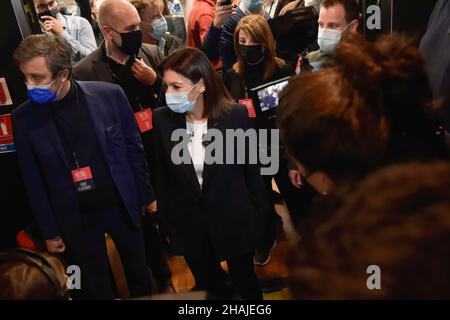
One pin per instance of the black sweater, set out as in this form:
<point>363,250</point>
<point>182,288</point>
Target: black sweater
<point>78,135</point>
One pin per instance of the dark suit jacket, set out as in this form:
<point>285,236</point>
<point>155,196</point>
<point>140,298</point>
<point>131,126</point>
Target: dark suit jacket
<point>46,170</point>
<point>95,68</point>
<point>232,206</point>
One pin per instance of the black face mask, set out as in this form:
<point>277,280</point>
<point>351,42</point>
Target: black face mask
<point>51,13</point>
<point>131,41</point>
<point>252,54</point>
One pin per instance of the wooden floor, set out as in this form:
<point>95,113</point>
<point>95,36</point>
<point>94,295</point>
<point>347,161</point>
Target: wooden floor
<point>183,280</point>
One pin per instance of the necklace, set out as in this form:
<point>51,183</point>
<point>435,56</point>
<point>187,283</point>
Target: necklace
<point>193,139</point>
<point>191,131</point>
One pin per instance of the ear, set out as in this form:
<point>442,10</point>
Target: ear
<point>106,31</point>
<point>354,26</point>
<point>65,75</point>
<point>201,86</point>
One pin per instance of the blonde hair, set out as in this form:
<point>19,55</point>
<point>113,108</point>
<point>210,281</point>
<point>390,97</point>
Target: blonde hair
<point>258,29</point>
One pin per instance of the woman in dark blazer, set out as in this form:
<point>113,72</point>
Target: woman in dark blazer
<point>257,64</point>
<point>212,212</point>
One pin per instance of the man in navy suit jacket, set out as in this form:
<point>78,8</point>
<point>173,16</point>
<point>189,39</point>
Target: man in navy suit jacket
<point>83,165</point>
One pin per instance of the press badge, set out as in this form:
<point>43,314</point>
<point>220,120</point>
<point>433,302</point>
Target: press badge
<point>144,119</point>
<point>83,179</point>
<point>250,109</point>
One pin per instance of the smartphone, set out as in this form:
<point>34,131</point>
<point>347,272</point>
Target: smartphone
<point>225,3</point>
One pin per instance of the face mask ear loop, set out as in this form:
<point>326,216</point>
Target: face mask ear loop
<point>195,100</point>
<point>60,87</point>
<point>347,26</point>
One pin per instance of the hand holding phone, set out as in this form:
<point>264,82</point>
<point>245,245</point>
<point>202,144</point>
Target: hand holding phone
<point>224,9</point>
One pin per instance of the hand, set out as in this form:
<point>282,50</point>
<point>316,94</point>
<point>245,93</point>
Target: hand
<point>152,208</point>
<point>143,72</point>
<point>53,25</point>
<point>55,245</point>
<point>223,13</point>
<point>295,177</point>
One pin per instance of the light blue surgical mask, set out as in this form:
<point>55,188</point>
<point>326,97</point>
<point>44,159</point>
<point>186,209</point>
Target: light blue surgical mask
<point>328,39</point>
<point>179,102</point>
<point>43,94</point>
<point>159,28</point>
<point>254,6</point>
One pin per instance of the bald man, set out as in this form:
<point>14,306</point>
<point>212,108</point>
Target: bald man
<point>123,59</point>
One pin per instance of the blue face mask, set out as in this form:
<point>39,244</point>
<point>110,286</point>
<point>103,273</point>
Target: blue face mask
<point>159,28</point>
<point>254,6</point>
<point>42,94</point>
<point>179,102</point>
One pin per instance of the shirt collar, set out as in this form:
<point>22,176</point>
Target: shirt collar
<point>62,19</point>
<point>162,44</point>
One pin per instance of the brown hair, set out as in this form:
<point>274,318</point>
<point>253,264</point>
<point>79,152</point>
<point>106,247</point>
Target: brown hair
<point>390,74</point>
<point>366,107</point>
<point>351,8</point>
<point>20,280</point>
<point>194,65</point>
<point>55,50</point>
<point>141,5</point>
<point>258,29</point>
<point>326,125</point>
<point>398,220</point>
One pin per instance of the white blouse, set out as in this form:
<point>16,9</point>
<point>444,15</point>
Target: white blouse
<point>196,148</point>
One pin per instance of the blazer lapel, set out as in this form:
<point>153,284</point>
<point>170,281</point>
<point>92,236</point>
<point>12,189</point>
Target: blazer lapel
<point>208,169</point>
<point>187,168</point>
<point>100,66</point>
<point>97,120</point>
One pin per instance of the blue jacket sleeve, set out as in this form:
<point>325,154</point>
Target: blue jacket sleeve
<point>34,182</point>
<point>226,42</point>
<point>211,43</point>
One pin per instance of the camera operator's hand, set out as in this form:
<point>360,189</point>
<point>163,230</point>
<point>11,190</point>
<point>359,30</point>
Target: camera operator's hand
<point>55,245</point>
<point>223,13</point>
<point>52,25</point>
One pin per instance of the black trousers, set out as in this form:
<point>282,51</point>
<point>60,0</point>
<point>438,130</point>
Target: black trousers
<point>96,276</point>
<point>155,249</point>
<point>209,275</point>
<point>298,201</point>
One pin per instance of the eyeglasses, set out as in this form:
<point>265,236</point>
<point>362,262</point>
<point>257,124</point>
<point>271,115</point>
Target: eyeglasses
<point>42,7</point>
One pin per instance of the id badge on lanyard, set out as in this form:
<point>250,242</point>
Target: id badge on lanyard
<point>83,180</point>
<point>250,108</point>
<point>144,119</point>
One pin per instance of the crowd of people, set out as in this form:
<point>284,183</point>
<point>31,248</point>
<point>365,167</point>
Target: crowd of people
<point>363,153</point>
